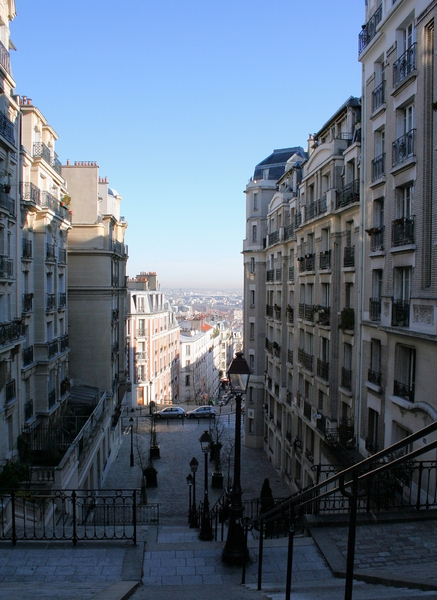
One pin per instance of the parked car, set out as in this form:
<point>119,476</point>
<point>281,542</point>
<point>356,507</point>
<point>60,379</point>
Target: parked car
<point>202,412</point>
<point>170,412</point>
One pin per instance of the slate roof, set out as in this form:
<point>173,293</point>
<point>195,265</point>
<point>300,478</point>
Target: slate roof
<point>276,162</point>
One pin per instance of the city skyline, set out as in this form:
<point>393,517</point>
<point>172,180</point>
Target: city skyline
<point>178,108</point>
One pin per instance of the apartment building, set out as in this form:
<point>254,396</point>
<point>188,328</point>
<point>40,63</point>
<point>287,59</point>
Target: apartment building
<point>397,49</point>
<point>259,192</point>
<point>153,343</point>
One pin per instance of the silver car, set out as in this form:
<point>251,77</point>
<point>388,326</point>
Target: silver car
<point>170,412</point>
<point>207,412</point>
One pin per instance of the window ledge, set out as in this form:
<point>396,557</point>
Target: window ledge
<point>401,402</point>
<point>374,388</point>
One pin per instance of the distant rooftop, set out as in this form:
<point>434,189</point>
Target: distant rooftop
<point>273,166</point>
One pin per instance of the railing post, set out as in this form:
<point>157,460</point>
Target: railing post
<point>419,486</point>
<point>73,499</point>
<point>260,554</point>
<point>14,528</point>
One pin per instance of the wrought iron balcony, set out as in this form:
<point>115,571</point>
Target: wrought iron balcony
<point>30,193</point>
<point>141,333</point>
<point>27,249</point>
<point>325,260</point>
<point>269,311</point>
<point>28,410</point>
<point>276,349</point>
<point>309,262</point>
<point>306,311</point>
<point>62,303</point>
<point>9,332</point>
<point>27,356</point>
<point>305,359</point>
<point>62,256</point>
<point>347,319</point>
<point>316,208</point>
<point>376,238</point>
<point>269,346</point>
<point>324,315</point>
<point>404,65</point>
<point>400,314</point>
<point>50,252</point>
<point>6,126</point>
<point>5,59</point>
<point>278,313</point>
<point>404,390</point>
<point>141,356</point>
<point>115,281</point>
<point>378,96</point>
<point>51,302</point>
<point>291,273</point>
<point>270,274</point>
<point>51,398</point>
<point>346,378</point>
<point>290,356</point>
<point>307,410</point>
<point>349,256</point>
<point>348,194</point>
<point>374,377</point>
<point>290,314</point>
<point>63,342</point>
<point>10,391</point>
<point>273,238</point>
<point>278,274</point>
<point>115,315</point>
<point>52,348</point>
<point>323,369</point>
<point>289,232</point>
<point>402,231</point>
<point>298,220</point>
<point>6,267</point>
<point>375,309</point>
<point>27,303</point>
<point>403,148</point>
<point>41,150</point>
<point>368,32</point>
<point>6,201</point>
<point>378,167</point>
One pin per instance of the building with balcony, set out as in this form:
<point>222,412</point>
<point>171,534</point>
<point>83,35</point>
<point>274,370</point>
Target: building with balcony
<point>399,252</point>
<point>152,343</point>
<point>97,257</point>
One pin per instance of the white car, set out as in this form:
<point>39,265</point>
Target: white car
<point>201,412</point>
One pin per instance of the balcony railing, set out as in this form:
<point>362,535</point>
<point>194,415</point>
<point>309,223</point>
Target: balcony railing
<point>375,309</point>
<point>269,311</point>
<point>290,356</point>
<point>349,256</point>
<point>6,126</point>
<point>28,410</point>
<point>291,273</point>
<point>374,377</point>
<point>400,314</point>
<point>62,256</point>
<point>5,59</point>
<point>316,208</point>
<point>50,252</point>
<point>306,311</point>
<point>323,369</point>
<point>305,359</point>
<point>324,315</point>
<point>309,262</point>
<point>27,249</point>
<point>346,378</point>
<point>273,238</point>
<point>27,303</point>
<point>52,348</point>
<point>404,390</point>
<point>404,65</point>
<point>30,193</point>
<point>51,302</point>
<point>297,220</point>
<point>141,355</point>
<point>115,281</point>
<point>278,313</point>
<point>141,333</point>
<point>378,96</point>
<point>269,346</point>
<point>62,302</point>
<point>63,342</point>
<point>348,194</point>
<point>325,260</point>
<point>10,391</point>
<point>40,150</point>
<point>290,314</point>
<point>270,275</point>
<point>376,238</point>
<point>9,332</point>
<point>307,410</point>
<point>403,148</point>
<point>289,232</point>
<point>368,32</point>
<point>51,398</point>
<point>402,231</point>
<point>115,315</point>
<point>27,356</point>
<point>6,267</point>
<point>378,167</point>
<point>278,274</point>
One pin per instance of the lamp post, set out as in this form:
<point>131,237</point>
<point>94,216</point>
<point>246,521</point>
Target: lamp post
<point>131,421</point>
<point>190,485</point>
<point>194,463</point>
<point>235,551</point>
<point>205,527</point>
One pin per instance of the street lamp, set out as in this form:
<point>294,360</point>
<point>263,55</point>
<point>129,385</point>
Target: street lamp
<point>235,550</point>
<point>194,463</point>
<point>131,421</point>
<point>205,527</point>
<point>190,485</point>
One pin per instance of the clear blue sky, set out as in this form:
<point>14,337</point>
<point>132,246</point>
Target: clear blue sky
<point>177,101</point>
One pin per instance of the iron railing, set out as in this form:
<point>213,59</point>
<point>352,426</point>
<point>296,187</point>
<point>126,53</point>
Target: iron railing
<point>273,238</point>
<point>348,194</point>
<point>6,267</point>
<point>62,300</point>
<point>10,391</point>
<point>325,260</point>
<point>27,303</point>
<point>6,201</point>
<point>27,249</point>
<point>346,378</point>
<point>404,390</point>
<point>349,256</point>
<point>6,126</point>
<point>63,342</point>
<point>305,359</point>
<point>378,167</point>
<point>52,348</point>
<point>376,238</point>
<point>404,65</point>
<point>50,302</point>
<point>368,31</point>
<point>30,192</point>
<point>403,147</point>
<point>400,314</point>
<point>291,273</point>
<point>375,309</point>
<point>269,311</point>
<point>378,96</point>
<point>323,369</point>
<point>270,275</point>
<point>5,60</point>
<point>402,231</point>
<point>374,377</point>
<point>12,331</point>
<point>27,356</point>
<point>289,232</point>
